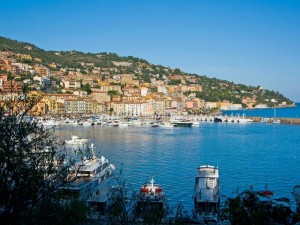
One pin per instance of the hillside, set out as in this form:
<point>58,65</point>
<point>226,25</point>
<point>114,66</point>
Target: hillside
<point>213,89</point>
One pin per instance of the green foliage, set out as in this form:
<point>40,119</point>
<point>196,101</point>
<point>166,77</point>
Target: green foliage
<point>29,177</point>
<point>112,92</point>
<point>213,89</point>
<point>87,88</point>
<point>255,208</point>
<point>174,82</point>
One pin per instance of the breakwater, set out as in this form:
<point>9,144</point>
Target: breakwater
<point>282,120</point>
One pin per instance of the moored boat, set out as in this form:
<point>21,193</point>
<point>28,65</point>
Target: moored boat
<point>206,195</point>
<point>181,122</point>
<point>151,198</point>
<point>85,176</point>
<point>75,140</point>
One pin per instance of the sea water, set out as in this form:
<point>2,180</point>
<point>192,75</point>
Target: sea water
<point>253,154</point>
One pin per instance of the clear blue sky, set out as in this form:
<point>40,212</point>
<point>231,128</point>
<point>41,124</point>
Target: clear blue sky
<point>249,42</point>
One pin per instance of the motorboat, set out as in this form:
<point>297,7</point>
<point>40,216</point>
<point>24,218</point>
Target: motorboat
<point>85,176</point>
<point>104,196</point>
<point>206,194</point>
<point>167,125</point>
<point>181,122</point>
<point>75,140</point>
<point>150,197</point>
<point>155,124</point>
<point>265,120</point>
<point>70,121</point>
<point>50,123</point>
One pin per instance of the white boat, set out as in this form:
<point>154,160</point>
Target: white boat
<point>123,124</point>
<point>75,140</point>
<point>166,125</point>
<point>181,122</point>
<point>93,167</point>
<point>104,196</point>
<point>85,176</point>
<point>50,123</point>
<point>274,119</point>
<point>70,121</point>
<point>265,120</point>
<point>206,194</point>
<point>87,123</point>
<point>195,124</point>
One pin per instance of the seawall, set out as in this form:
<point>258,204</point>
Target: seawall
<point>282,120</point>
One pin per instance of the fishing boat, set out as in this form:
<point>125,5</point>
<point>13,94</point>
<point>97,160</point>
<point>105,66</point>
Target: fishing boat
<point>150,198</point>
<point>206,195</point>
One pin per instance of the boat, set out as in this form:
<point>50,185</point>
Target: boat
<point>166,125</point>
<point>266,192</point>
<point>155,125</point>
<point>217,119</point>
<point>265,120</point>
<point>50,123</point>
<point>123,124</point>
<point>70,121</point>
<point>274,119</point>
<point>206,195</point>
<point>296,194</point>
<point>85,176</point>
<point>151,197</point>
<point>181,122</point>
<point>104,196</point>
<point>75,140</point>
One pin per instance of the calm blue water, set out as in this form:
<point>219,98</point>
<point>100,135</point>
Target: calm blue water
<point>290,112</point>
<point>247,154</point>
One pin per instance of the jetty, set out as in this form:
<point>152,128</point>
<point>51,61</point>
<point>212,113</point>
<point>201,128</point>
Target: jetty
<point>282,120</point>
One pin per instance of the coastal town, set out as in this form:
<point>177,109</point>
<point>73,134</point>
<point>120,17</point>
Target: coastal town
<point>125,88</point>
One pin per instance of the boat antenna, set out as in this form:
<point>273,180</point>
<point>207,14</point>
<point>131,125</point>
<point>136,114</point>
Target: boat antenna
<point>92,149</point>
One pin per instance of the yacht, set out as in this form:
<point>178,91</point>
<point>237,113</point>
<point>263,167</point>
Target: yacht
<point>206,195</point>
<point>181,122</point>
<point>167,125</point>
<point>85,176</point>
<point>105,195</point>
<point>75,140</point>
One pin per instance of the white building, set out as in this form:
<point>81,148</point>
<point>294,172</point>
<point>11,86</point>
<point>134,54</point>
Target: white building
<point>69,84</point>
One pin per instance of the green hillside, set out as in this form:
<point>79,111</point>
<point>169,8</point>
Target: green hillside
<point>213,89</point>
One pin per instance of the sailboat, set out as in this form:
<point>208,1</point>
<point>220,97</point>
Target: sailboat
<point>274,120</point>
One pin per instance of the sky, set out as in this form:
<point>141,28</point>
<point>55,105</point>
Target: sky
<point>244,41</point>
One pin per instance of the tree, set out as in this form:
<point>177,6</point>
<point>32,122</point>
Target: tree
<point>87,87</point>
<point>255,207</point>
<point>29,174</point>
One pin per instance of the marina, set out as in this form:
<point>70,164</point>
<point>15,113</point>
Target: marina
<point>249,154</point>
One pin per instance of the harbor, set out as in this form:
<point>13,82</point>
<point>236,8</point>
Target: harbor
<point>248,154</point>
